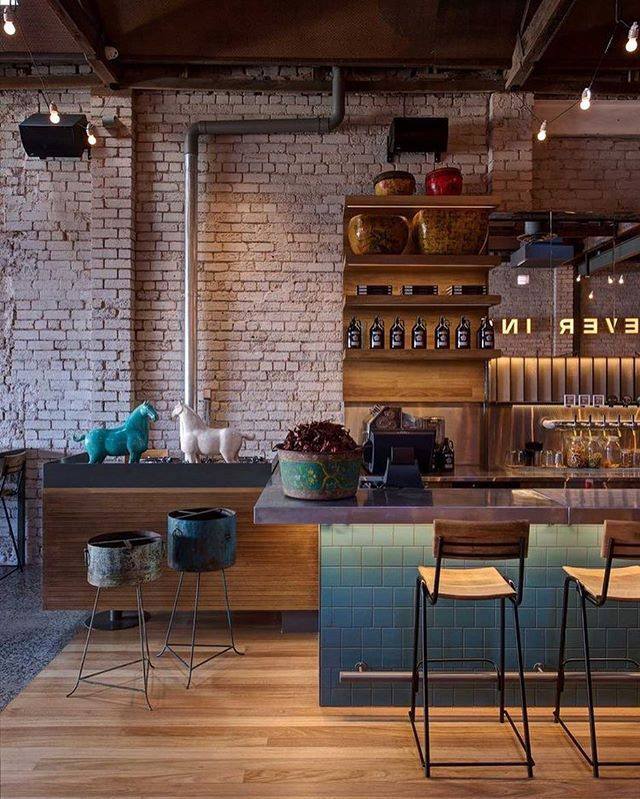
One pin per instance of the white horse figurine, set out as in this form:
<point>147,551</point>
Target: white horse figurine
<point>198,440</point>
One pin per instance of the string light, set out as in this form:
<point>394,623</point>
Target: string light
<point>542,133</point>
<point>9,17</point>
<point>578,278</point>
<point>91,135</point>
<point>621,280</point>
<point>585,100</point>
<point>54,114</point>
<point>610,280</point>
<point>632,41</point>
<point>591,294</point>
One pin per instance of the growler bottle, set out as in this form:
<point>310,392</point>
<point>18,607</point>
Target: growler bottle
<point>396,335</point>
<point>419,335</point>
<point>486,335</point>
<point>463,334</point>
<point>354,335</point>
<point>442,335</point>
<point>376,335</point>
<point>448,457</point>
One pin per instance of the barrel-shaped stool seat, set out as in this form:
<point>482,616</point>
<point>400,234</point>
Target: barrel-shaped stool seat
<point>464,540</point>
<point>200,540</point>
<point>620,541</point>
<point>127,558</point>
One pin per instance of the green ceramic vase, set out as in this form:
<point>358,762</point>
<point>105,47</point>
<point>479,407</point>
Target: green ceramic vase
<point>318,476</point>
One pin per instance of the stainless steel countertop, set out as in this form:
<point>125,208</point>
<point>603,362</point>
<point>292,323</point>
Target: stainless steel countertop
<point>411,506</point>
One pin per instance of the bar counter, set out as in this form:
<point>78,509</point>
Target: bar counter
<point>371,546</point>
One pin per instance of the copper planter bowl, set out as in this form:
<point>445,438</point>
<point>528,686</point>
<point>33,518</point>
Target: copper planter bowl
<point>369,234</point>
<point>394,182</point>
<point>318,475</point>
<point>450,231</point>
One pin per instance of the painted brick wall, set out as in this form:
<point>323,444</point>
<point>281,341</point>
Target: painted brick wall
<point>91,280</point>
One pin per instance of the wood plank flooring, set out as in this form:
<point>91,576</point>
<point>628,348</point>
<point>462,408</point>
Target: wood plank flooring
<point>251,727</point>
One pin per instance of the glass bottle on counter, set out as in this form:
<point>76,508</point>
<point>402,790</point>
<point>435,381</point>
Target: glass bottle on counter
<point>419,335</point>
<point>396,335</point>
<point>463,334</point>
<point>442,335</point>
<point>612,455</point>
<point>448,456</point>
<point>485,337</point>
<point>594,452</point>
<point>376,335</point>
<point>354,335</point>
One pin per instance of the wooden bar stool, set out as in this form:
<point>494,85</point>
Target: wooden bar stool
<point>621,540</point>
<point>462,540</point>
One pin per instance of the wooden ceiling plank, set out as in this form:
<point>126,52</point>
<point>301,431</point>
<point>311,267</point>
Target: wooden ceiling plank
<point>534,40</point>
<point>88,36</point>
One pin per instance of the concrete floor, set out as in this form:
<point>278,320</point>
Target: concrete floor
<point>29,637</point>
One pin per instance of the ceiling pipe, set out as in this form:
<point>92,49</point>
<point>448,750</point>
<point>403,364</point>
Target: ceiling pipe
<point>230,127</point>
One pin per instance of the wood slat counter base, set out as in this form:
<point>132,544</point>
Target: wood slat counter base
<point>276,567</point>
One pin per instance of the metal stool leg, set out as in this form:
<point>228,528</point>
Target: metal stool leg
<point>86,644</point>
<point>414,661</point>
<point>144,646</point>
<point>20,566</point>
<point>425,686</point>
<point>501,686</point>
<point>144,630</point>
<point>587,669</point>
<point>561,651</point>
<point>193,628</point>
<point>229,618</point>
<point>523,693</point>
<point>172,617</point>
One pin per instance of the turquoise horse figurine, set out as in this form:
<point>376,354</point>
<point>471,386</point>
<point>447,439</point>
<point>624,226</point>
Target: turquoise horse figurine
<point>130,438</point>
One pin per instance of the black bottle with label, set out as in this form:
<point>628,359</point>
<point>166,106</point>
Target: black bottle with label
<point>486,339</point>
<point>419,335</point>
<point>396,335</point>
<point>442,334</point>
<point>463,334</point>
<point>448,457</point>
<point>376,335</point>
<point>354,335</point>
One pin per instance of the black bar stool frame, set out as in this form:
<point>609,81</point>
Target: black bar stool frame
<point>222,648</point>
<point>483,551</point>
<point>614,549</point>
<point>12,484</point>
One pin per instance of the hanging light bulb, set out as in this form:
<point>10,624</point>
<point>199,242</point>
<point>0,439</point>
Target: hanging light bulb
<point>542,133</point>
<point>54,114</point>
<point>9,17</point>
<point>621,280</point>
<point>610,280</point>
<point>578,278</point>
<point>585,100</point>
<point>591,294</point>
<point>632,42</point>
<point>91,135</point>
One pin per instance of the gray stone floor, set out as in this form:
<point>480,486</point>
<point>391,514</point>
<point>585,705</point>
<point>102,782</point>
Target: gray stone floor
<point>29,637</point>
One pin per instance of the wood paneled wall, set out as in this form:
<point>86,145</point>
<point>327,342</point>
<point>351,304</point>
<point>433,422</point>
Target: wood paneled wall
<point>276,566</point>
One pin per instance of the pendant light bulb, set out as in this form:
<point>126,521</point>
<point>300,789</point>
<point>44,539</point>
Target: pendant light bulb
<point>9,17</point>
<point>585,100</point>
<point>610,280</point>
<point>621,280</point>
<point>578,278</point>
<point>632,42</point>
<point>54,114</point>
<point>542,133</point>
<point>91,135</point>
<point>591,294</point>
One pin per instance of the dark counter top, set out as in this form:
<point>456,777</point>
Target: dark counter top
<point>412,506</point>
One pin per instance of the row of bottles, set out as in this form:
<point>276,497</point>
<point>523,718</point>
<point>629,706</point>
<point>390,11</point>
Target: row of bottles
<point>485,337</point>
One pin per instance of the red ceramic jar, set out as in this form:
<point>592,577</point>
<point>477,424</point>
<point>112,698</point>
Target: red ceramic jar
<point>443,181</point>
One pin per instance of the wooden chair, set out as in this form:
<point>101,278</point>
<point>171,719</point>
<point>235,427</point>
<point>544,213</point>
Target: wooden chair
<point>462,540</point>
<point>12,474</point>
<point>621,540</point>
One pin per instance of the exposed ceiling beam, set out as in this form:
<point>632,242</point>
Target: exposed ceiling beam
<point>534,40</point>
<point>86,32</point>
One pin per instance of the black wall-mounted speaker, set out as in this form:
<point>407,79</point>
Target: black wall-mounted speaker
<point>42,139</point>
<point>417,135</point>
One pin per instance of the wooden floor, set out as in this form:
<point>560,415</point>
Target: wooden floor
<point>251,727</point>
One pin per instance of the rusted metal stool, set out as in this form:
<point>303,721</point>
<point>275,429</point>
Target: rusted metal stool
<point>114,560</point>
<point>200,540</point>
<point>464,540</point>
<point>12,484</point>
<point>621,540</point>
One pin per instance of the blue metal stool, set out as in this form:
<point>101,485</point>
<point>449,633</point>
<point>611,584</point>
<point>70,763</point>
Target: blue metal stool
<point>200,540</point>
<point>113,560</point>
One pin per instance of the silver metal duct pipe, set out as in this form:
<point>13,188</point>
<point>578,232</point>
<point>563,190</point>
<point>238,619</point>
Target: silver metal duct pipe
<point>236,127</point>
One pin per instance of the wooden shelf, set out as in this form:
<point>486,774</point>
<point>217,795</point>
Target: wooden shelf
<point>421,355</point>
<point>422,263</point>
<point>401,301</point>
<point>421,201</point>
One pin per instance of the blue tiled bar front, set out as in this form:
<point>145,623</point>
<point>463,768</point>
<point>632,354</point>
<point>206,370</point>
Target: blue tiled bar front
<point>367,579</point>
